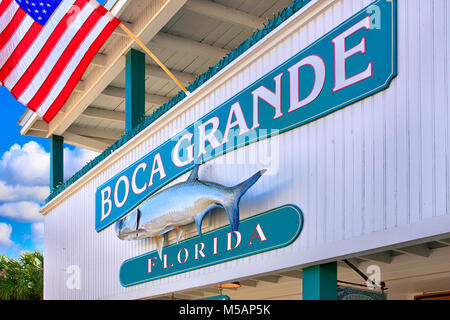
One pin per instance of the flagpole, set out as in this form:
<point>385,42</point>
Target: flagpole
<point>147,50</point>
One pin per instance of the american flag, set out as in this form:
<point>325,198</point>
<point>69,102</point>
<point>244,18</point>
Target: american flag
<point>46,46</point>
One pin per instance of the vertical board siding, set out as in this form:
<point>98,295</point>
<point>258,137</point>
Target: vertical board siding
<point>379,164</point>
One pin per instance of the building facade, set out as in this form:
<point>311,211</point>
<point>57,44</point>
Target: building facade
<point>343,102</point>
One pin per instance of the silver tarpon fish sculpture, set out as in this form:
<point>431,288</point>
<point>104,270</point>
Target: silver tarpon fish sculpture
<point>182,204</point>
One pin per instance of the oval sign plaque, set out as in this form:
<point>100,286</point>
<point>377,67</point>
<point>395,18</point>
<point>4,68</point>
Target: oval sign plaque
<point>267,231</point>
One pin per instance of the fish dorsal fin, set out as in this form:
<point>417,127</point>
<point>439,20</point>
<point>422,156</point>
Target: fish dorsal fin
<point>194,173</point>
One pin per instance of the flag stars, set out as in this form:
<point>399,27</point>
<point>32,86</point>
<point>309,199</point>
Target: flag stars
<point>39,10</point>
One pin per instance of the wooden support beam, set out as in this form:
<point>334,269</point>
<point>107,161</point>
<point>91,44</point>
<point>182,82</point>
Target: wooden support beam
<point>182,296</point>
<point>291,274</point>
<point>224,13</point>
<point>27,120</point>
<point>189,46</point>
<point>196,293</point>
<point>112,135</point>
<point>149,98</point>
<point>354,261</point>
<point>154,71</point>
<point>162,298</point>
<point>418,250</point>
<point>102,114</point>
<point>384,257</point>
<point>269,278</point>
<point>120,32</point>
<point>249,283</point>
<point>99,60</point>
<point>80,87</point>
<point>85,142</point>
<point>213,290</point>
<point>35,133</point>
<point>40,125</point>
<point>104,140</point>
<point>445,241</point>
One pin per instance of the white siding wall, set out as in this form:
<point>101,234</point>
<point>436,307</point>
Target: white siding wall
<point>369,176</point>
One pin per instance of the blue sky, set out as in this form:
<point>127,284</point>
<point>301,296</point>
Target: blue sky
<point>24,179</point>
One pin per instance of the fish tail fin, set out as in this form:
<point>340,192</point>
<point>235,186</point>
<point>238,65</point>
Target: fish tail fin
<point>232,209</point>
<point>242,188</point>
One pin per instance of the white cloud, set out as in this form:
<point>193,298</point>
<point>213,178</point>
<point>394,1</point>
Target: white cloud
<point>25,175</point>
<point>22,193</point>
<point>24,211</point>
<point>29,165</point>
<point>75,159</point>
<point>37,230</point>
<point>5,234</point>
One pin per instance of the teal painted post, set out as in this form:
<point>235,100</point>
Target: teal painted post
<point>320,282</point>
<point>56,161</point>
<point>134,89</point>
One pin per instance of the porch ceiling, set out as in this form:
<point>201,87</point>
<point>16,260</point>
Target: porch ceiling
<point>407,270</point>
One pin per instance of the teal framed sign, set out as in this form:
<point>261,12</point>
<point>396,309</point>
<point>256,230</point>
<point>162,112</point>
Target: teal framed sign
<point>267,231</point>
<point>344,293</point>
<point>351,62</point>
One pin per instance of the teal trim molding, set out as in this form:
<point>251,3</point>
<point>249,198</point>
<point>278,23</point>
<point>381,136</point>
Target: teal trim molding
<point>134,89</point>
<point>255,38</point>
<point>56,161</point>
<point>267,231</point>
<point>320,282</point>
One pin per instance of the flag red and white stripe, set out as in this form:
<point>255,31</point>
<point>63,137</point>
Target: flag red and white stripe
<point>42,64</point>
